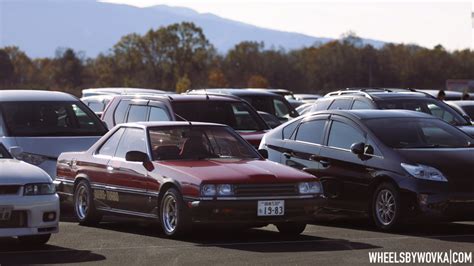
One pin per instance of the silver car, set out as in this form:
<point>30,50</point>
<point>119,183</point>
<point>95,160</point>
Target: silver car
<point>37,126</point>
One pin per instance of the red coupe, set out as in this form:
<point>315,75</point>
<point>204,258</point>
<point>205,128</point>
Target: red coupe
<point>183,173</point>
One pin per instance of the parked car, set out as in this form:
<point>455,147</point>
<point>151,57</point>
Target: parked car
<point>261,100</point>
<point>183,173</point>
<point>389,164</point>
<point>36,126</point>
<point>449,95</point>
<point>121,91</point>
<point>463,107</point>
<point>222,109</point>
<point>29,205</point>
<point>282,92</point>
<point>374,98</point>
<point>305,108</point>
<point>97,103</point>
<point>307,98</point>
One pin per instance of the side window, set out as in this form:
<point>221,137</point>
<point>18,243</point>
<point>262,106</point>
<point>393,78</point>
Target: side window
<point>289,129</point>
<point>96,106</point>
<point>121,111</point>
<point>158,114</point>
<point>312,131</point>
<point>358,104</point>
<point>343,136</point>
<point>340,104</point>
<point>321,104</point>
<point>137,113</point>
<point>109,147</point>
<point>134,139</point>
<point>281,110</point>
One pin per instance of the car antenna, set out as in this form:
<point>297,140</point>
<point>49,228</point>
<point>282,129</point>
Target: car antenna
<point>182,118</point>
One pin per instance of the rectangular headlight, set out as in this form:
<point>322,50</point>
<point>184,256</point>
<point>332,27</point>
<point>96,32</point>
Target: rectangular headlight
<point>310,188</point>
<point>39,189</point>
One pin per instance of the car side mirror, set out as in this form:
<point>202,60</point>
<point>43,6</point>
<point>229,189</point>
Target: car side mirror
<point>15,151</point>
<point>358,148</point>
<point>136,156</point>
<point>264,153</point>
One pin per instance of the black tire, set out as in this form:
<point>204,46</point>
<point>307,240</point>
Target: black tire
<point>182,222</point>
<point>90,216</point>
<point>37,240</point>
<point>386,216</point>
<point>291,228</point>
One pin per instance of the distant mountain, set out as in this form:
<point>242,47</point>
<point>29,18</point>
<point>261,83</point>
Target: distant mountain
<point>39,27</point>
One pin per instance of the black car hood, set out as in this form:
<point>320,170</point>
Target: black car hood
<point>453,163</point>
<point>468,130</point>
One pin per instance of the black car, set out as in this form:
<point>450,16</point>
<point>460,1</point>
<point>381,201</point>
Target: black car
<point>264,101</point>
<point>392,164</point>
<point>376,98</point>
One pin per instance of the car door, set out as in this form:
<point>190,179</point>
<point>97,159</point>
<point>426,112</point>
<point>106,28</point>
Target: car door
<point>302,151</point>
<point>97,168</point>
<point>128,180</point>
<point>343,173</point>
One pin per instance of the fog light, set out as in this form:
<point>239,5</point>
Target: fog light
<point>49,216</point>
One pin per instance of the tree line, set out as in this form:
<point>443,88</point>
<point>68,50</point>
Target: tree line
<point>179,57</point>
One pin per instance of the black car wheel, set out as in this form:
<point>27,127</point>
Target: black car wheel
<point>174,216</point>
<point>84,207</point>
<point>386,206</point>
<point>37,240</point>
<point>291,228</point>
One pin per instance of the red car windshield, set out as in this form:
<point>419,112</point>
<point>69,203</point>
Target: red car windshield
<point>198,142</point>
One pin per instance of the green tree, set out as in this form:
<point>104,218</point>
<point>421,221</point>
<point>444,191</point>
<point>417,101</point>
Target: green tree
<point>6,69</point>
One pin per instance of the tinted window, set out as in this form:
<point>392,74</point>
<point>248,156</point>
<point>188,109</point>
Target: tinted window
<point>198,142</point>
<point>340,104</point>
<point>289,129</point>
<point>429,106</point>
<point>281,110</point>
<point>343,136</point>
<point>237,115</point>
<point>121,111</point>
<point>312,131</point>
<point>110,146</point>
<point>158,114</point>
<point>358,104</point>
<point>417,133</point>
<point>133,139</point>
<point>50,119</point>
<point>137,113</point>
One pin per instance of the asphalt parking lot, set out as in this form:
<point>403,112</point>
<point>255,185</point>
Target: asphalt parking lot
<point>339,241</point>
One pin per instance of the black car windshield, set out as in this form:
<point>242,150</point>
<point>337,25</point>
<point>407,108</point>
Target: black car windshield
<point>198,142</point>
<point>417,133</point>
<point>28,119</point>
<point>237,115</point>
<point>429,106</point>
<point>3,153</point>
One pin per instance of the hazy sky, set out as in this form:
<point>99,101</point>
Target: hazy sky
<point>426,23</point>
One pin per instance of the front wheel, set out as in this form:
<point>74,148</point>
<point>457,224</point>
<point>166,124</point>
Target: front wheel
<point>386,206</point>
<point>173,214</point>
<point>291,228</point>
<point>36,240</point>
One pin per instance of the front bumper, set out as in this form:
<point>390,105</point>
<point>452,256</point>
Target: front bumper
<point>31,208</point>
<point>245,211</point>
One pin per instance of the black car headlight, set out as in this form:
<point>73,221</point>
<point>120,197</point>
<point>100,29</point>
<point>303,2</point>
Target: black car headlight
<point>424,172</point>
<point>39,189</point>
<point>310,188</point>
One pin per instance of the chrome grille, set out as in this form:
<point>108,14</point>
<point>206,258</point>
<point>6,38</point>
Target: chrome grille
<point>259,190</point>
<point>9,190</point>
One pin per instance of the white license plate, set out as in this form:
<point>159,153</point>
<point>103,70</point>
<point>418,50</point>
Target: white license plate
<point>271,208</point>
<point>5,213</point>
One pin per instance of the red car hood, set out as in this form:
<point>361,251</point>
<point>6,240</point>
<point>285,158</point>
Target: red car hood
<point>234,171</point>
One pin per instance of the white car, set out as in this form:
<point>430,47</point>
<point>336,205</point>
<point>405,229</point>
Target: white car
<point>29,205</point>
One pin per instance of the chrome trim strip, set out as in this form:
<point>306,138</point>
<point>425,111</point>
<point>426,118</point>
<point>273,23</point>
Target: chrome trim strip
<point>140,214</point>
<point>143,192</point>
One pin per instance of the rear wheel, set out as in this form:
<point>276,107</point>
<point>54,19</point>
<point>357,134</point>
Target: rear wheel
<point>291,228</point>
<point>174,216</point>
<point>386,206</point>
<point>84,207</point>
<point>36,240</point>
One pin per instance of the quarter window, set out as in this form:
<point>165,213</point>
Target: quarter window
<point>340,104</point>
<point>312,131</point>
<point>158,114</point>
<point>121,111</point>
<point>110,146</point>
<point>133,139</point>
<point>360,105</point>
<point>343,136</point>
